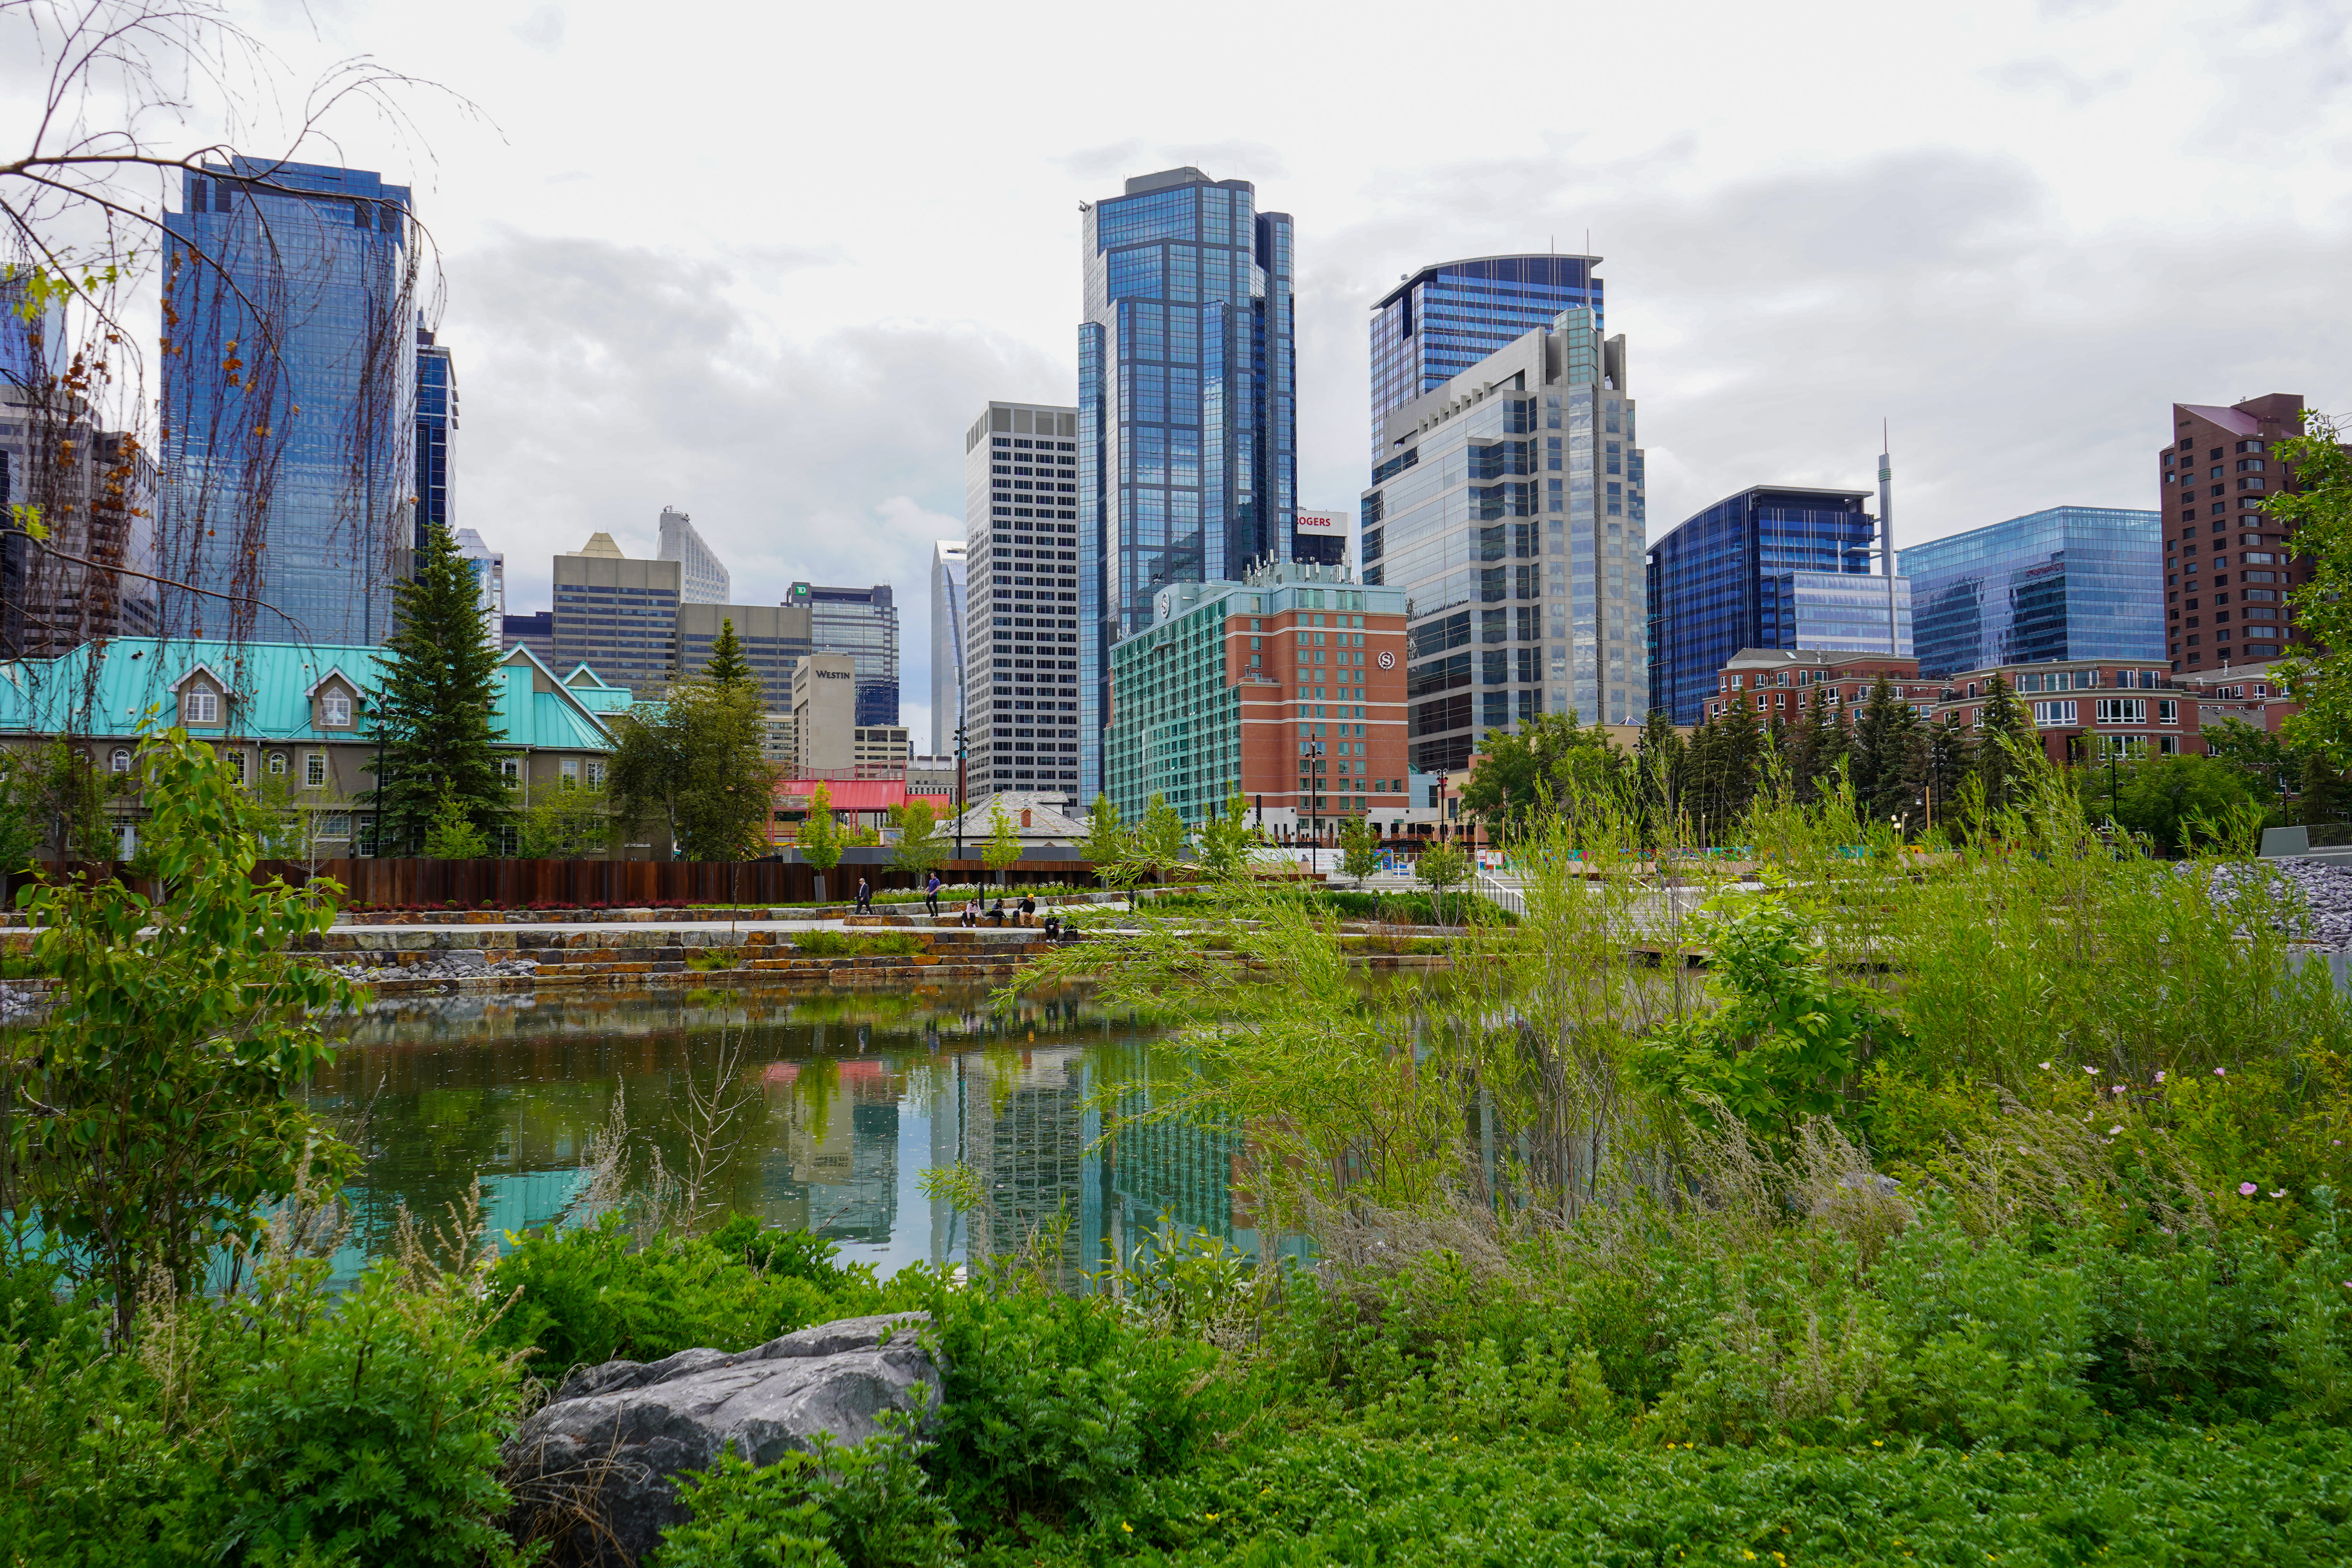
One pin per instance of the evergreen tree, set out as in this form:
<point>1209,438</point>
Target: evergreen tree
<point>2006,744</point>
<point>1946,757</point>
<point>1739,767</point>
<point>727,666</point>
<point>1661,759</point>
<point>1816,744</point>
<point>1883,761</point>
<point>439,686</point>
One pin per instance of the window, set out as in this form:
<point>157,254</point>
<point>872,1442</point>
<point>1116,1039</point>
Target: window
<point>314,769</point>
<point>278,764</point>
<point>335,711</point>
<point>121,761</point>
<point>200,705</point>
<point>596,772</point>
<point>510,770</point>
<point>236,765</point>
<point>334,825</point>
<point>2052,714</point>
<point>2122,710</point>
<point>2167,711</point>
<point>571,772</point>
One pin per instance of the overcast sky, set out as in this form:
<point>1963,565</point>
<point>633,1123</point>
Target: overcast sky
<point>765,263</point>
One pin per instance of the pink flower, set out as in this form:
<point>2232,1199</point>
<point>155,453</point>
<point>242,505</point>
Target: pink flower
<point>2279,1194</point>
<point>2220,1072</point>
<point>2090,1069</point>
<point>2113,1130</point>
<point>2246,1189</point>
<point>2045,1067</point>
<point>2117,1089</point>
<point>2159,1077</point>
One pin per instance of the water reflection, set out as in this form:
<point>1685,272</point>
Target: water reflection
<point>846,1102</point>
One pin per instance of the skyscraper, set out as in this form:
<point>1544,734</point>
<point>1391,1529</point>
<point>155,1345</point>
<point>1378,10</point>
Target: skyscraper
<point>947,643</point>
<point>489,579</point>
<point>1509,504</point>
<point>862,622</point>
<point>436,415</point>
<point>2070,581</point>
<point>702,579</point>
<point>2219,473</point>
<point>1187,407</point>
<point>1023,674</point>
<point>289,401</point>
<point>617,615</point>
<point>1439,322</point>
<point>1772,567</point>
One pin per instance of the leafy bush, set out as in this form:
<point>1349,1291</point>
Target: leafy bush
<point>1058,1407</point>
<point>590,1295</point>
<point>841,944</point>
<point>864,1507</point>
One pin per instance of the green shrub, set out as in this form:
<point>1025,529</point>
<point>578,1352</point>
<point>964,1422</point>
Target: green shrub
<point>372,1435</point>
<point>869,1506</point>
<point>1058,1407</point>
<point>590,1295</point>
<point>843,944</point>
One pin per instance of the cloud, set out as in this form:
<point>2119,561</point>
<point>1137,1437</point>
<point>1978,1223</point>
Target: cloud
<point>542,29</point>
<point>600,383</point>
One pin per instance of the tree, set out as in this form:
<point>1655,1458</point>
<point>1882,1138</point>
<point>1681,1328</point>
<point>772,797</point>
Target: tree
<point>452,835</point>
<point>1106,844</point>
<point>1661,759</point>
<point>1816,746</point>
<point>1160,839</point>
<point>157,1114</point>
<point>1002,845</point>
<point>727,665</point>
<point>2319,510</point>
<point>2165,800</point>
<point>1883,761</point>
<point>1225,836</point>
<point>21,835</point>
<point>1552,764</point>
<point>567,823</point>
<point>439,689</point>
<point>2007,746</point>
<point>696,760</point>
<point>819,840</point>
<point>1946,759</point>
<point>1360,847</point>
<point>921,847</point>
<point>1442,866</point>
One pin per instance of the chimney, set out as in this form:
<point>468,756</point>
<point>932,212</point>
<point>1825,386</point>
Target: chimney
<point>1024,817</point>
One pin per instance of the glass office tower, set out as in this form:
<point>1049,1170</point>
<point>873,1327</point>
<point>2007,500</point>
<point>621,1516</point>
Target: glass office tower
<point>2073,582</point>
<point>862,622</point>
<point>1509,504</point>
<point>1442,320</point>
<point>1774,567</point>
<point>947,644</point>
<point>1188,468</point>
<point>436,415</point>
<point>289,401</point>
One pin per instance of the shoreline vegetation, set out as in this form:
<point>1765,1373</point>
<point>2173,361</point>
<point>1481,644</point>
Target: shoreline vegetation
<point>1981,1210</point>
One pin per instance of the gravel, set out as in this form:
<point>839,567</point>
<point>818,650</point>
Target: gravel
<point>457,963</point>
<point>2327,887</point>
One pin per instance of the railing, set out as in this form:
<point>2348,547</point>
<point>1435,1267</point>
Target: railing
<point>1502,894</point>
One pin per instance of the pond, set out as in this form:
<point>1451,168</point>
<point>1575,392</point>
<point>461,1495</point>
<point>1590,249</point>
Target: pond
<point>839,1105</point>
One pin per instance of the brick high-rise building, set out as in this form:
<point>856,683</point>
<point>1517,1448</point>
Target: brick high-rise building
<point>2227,562</point>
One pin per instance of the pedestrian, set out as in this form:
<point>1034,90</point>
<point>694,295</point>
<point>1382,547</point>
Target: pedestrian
<point>865,896</point>
<point>931,895</point>
<point>1029,910</point>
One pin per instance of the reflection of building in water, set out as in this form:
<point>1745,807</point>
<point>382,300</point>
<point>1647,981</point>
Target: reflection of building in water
<point>1020,1125</point>
<point>838,1171</point>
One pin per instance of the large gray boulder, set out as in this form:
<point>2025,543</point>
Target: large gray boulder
<point>595,1468</point>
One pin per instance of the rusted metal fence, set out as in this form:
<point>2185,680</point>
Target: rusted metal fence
<point>612,884</point>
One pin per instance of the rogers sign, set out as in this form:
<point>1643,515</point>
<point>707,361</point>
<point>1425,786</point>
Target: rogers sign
<point>1322,522</point>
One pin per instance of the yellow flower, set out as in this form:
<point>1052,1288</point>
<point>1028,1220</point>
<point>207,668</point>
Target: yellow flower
<point>1127,1527</point>
<point>1878,1443</point>
<point>1212,1518</point>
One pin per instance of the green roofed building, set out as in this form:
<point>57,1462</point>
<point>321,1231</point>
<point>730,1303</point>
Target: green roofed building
<point>292,711</point>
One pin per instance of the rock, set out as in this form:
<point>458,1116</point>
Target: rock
<point>596,1468</point>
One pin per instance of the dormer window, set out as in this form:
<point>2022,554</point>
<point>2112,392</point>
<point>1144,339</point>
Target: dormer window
<point>120,760</point>
<point>200,704</point>
<point>335,711</point>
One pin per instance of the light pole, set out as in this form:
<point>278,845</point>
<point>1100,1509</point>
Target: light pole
<point>962,764</point>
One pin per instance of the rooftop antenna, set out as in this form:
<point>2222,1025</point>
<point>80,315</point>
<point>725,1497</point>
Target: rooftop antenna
<point>1886,532</point>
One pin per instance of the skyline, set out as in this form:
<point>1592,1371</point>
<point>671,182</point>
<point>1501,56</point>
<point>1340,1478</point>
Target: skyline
<point>2021,233</point>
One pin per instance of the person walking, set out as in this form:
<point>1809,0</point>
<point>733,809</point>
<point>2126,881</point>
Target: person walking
<point>865,896</point>
<point>931,895</point>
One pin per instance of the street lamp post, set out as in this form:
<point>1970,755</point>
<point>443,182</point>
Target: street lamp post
<point>961,765</point>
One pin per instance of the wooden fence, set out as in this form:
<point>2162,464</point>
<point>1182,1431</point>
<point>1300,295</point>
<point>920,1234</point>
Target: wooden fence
<point>615,884</point>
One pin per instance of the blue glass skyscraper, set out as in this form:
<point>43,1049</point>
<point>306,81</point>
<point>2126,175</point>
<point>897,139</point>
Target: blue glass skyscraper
<point>289,401</point>
<point>436,415</point>
<point>2073,582</point>
<point>1442,320</point>
<point>1773,567</point>
<point>1187,417</point>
